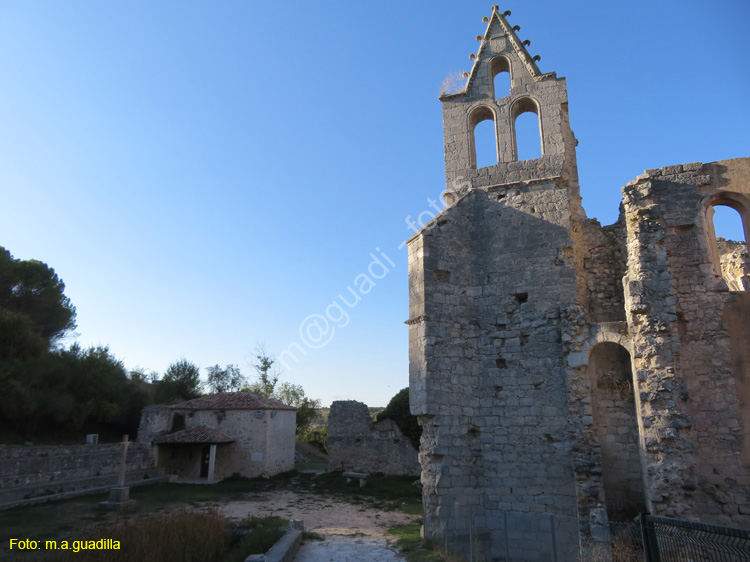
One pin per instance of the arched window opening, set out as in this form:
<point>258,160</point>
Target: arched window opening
<point>730,246</point>
<point>500,72</point>
<point>527,130</point>
<point>616,423</point>
<point>484,146</point>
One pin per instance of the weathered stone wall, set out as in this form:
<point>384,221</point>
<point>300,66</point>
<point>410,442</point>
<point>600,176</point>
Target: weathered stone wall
<point>36,471</point>
<point>493,401</point>
<point>358,444</point>
<point>602,269</point>
<point>691,408</point>
<point>155,420</point>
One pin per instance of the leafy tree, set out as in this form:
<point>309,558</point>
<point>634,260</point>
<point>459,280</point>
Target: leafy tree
<point>398,410</point>
<point>69,392</point>
<point>32,288</point>
<point>291,394</point>
<point>294,395</point>
<point>50,392</point>
<point>103,395</point>
<point>18,338</point>
<point>315,436</point>
<point>268,375</point>
<point>229,379</point>
<point>181,381</point>
<point>140,375</point>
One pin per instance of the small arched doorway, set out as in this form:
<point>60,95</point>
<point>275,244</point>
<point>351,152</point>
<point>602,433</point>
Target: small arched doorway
<point>616,424</point>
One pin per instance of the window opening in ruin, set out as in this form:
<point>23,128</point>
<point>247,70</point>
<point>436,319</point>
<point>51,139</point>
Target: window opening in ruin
<point>500,71</point>
<point>178,423</point>
<point>731,255</point>
<point>616,424</point>
<point>484,138</point>
<point>527,130</point>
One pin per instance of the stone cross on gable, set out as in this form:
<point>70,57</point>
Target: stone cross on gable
<point>125,444</point>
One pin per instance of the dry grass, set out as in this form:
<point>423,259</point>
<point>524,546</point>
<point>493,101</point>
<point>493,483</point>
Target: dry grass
<point>622,551</point>
<point>453,83</point>
<point>179,536</point>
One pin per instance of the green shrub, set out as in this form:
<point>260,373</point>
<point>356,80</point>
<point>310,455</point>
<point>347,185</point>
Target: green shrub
<point>398,410</point>
<point>315,436</point>
<point>265,532</point>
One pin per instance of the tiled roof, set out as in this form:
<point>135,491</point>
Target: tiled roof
<point>232,401</point>
<point>199,434</point>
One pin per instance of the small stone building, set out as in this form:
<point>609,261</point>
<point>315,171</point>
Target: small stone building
<point>225,434</point>
<point>567,374</point>
<point>357,443</point>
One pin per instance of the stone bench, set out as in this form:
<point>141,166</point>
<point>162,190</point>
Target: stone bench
<point>361,476</point>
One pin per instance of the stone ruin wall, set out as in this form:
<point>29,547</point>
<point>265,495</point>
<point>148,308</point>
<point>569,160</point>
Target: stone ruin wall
<point>689,337</point>
<point>33,472</point>
<point>494,407</point>
<point>358,444</point>
<point>563,368</point>
<point>674,446</point>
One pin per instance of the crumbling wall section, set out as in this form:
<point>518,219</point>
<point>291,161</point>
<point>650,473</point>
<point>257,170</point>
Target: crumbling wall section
<point>603,267</point>
<point>356,443</point>
<point>692,421</point>
<point>155,421</point>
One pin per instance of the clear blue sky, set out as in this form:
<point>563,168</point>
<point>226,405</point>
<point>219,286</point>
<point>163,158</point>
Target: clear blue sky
<point>206,175</point>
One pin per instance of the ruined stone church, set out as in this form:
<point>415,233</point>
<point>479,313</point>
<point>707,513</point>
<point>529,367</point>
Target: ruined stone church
<point>561,368</point>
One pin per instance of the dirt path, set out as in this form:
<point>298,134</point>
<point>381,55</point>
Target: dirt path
<point>322,515</point>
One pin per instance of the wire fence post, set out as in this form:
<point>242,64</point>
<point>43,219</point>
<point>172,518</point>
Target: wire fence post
<point>648,535</point>
<point>507,544</point>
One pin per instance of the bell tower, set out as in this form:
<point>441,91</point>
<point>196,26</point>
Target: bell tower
<point>544,95</point>
<point>493,307</point>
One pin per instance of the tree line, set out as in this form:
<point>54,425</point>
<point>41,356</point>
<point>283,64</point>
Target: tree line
<point>55,393</point>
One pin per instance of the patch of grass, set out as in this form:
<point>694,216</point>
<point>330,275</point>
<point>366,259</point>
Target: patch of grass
<point>312,536</point>
<point>149,498</point>
<point>51,520</point>
<point>389,493</point>
<point>311,466</point>
<point>265,532</point>
<point>413,548</point>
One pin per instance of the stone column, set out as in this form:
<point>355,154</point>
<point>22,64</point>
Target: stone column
<point>211,462</point>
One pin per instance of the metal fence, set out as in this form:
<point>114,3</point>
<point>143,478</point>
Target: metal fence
<point>676,540</point>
